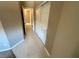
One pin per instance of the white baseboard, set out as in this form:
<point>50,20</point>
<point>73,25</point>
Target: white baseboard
<point>17,44</point>
<point>13,46</point>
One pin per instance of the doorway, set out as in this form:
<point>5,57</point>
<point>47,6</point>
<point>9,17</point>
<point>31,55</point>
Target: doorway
<point>28,19</point>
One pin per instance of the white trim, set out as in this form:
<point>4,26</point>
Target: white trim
<point>42,44</point>
<point>41,4</point>
<point>30,15</point>
<point>17,44</point>
<point>47,51</point>
<point>5,50</point>
<point>13,46</point>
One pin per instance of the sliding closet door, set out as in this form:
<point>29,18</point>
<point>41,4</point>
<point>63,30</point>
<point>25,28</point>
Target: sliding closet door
<point>38,27</point>
<point>42,16</point>
<point>44,20</point>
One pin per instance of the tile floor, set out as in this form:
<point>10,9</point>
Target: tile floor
<point>31,47</point>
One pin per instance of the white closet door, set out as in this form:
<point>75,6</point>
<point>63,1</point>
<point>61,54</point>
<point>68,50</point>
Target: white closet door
<point>44,20</point>
<point>4,43</point>
<point>42,17</point>
<point>38,21</point>
<point>45,15</point>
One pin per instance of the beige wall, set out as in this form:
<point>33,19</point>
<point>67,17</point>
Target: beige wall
<point>37,3</point>
<point>54,17</point>
<point>66,43</point>
<point>11,20</point>
<point>28,4</point>
<point>31,4</point>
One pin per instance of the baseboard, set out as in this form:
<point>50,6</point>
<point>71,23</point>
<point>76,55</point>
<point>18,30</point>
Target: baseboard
<point>17,44</point>
<point>13,46</point>
<point>42,44</point>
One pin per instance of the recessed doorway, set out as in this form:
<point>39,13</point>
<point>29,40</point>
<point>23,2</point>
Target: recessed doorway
<point>28,18</point>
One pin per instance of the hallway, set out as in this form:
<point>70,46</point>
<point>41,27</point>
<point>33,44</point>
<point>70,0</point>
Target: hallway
<point>31,47</point>
<point>49,29</point>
